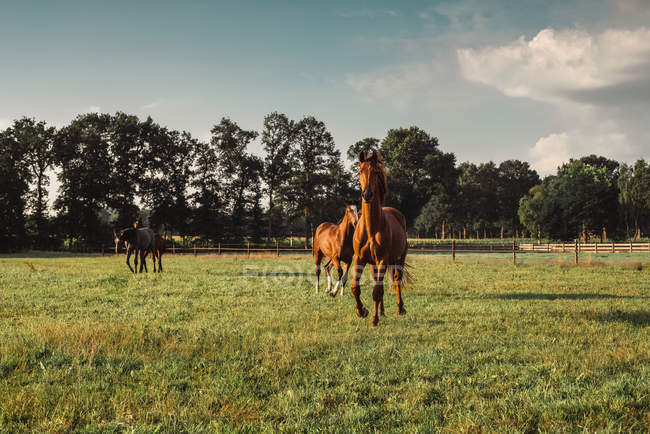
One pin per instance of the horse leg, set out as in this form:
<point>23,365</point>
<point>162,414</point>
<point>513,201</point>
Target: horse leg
<point>135,261</point>
<point>345,277</point>
<point>357,271</point>
<point>160,270</point>
<point>128,262</point>
<point>329,278</point>
<point>319,257</point>
<point>339,271</point>
<point>398,275</point>
<point>143,256</point>
<point>378,290</point>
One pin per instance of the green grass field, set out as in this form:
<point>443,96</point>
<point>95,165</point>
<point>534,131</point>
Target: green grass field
<point>213,345</point>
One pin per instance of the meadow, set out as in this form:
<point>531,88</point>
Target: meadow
<point>245,344</point>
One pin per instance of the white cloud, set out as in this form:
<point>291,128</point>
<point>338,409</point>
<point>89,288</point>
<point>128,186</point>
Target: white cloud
<point>401,85</point>
<point>554,63</point>
<point>549,152</point>
<point>598,83</point>
<point>369,13</point>
<point>153,104</point>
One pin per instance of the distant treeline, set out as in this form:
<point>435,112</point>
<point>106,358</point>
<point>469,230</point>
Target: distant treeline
<point>114,169</point>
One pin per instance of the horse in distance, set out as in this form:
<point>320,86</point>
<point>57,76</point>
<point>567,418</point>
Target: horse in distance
<point>379,239</point>
<point>138,240</point>
<point>335,242</point>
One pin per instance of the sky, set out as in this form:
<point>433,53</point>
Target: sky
<point>541,81</point>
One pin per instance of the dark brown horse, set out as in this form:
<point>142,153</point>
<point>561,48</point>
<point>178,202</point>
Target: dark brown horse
<point>335,242</point>
<point>379,239</point>
<point>140,241</point>
<point>157,249</point>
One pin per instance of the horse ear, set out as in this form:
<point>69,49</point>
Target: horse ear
<point>362,157</point>
<point>373,157</point>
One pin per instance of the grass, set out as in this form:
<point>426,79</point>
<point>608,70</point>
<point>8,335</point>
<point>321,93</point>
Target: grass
<point>245,344</point>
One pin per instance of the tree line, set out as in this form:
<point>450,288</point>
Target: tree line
<point>114,169</point>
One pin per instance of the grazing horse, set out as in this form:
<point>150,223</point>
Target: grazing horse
<point>335,242</point>
<point>140,241</point>
<point>380,238</point>
<point>157,249</point>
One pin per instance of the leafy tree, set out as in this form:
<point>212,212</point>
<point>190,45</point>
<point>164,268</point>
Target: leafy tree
<point>16,176</point>
<point>38,142</point>
<point>315,157</point>
<point>208,215</point>
<point>240,171</point>
<point>129,163</point>
<point>366,145</point>
<point>82,154</point>
<point>170,156</point>
<point>478,193</point>
<point>416,168</point>
<point>433,215</point>
<point>516,178</point>
<point>634,195</point>
<point>531,206</point>
<point>277,139</point>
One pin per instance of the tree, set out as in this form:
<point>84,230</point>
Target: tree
<point>366,145</point>
<point>416,169</point>
<point>634,195</point>
<point>531,206</point>
<point>170,157</point>
<point>314,156</point>
<point>239,171</point>
<point>129,163</point>
<point>576,199</point>
<point>82,153</point>
<point>515,180</point>
<point>16,176</point>
<point>277,139</point>
<point>37,141</point>
<point>434,214</point>
<point>208,219</point>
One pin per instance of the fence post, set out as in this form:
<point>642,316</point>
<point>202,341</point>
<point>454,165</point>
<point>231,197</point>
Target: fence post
<point>596,247</point>
<point>514,253</point>
<point>194,250</point>
<point>173,247</point>
<point>613,247</point>
<point>219,249</point>
<point>102,250</point>
<point>575,248</point>
<point>453,250</point>
<point>630,246</point>
<point>248,251</point>
<point>277,249</point>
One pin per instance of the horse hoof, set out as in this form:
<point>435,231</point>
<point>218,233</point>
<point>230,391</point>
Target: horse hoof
<point>362,313</point>
<point>332,294</point>
<point>401,311</point>
<point>375,321</point>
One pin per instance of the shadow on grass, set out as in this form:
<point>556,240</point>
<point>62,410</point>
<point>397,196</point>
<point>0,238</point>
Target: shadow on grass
<point>638,318</point>
<point>542,296</point>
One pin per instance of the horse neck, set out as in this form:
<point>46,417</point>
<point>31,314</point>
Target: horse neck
<point>346,227</point>
<point>371,214</point>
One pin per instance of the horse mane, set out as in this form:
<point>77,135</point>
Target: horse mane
<point>378,166</point>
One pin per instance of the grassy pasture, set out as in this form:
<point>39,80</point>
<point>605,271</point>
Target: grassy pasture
<point>213,345</point>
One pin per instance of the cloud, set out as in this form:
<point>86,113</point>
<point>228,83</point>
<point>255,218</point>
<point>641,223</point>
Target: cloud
<point>401,84</point>
<point>94,109</point>
<point>4,124</point>
<point>369,13</point>
<point>598,83</point>
<point>153,104</point>
<point>554,64</point>
<point>549,153</point>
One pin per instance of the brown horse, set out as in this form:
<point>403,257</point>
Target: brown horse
<point>140,241</point>
<point>380,238</point>
<point>335,242</point>
<point>157,249</point>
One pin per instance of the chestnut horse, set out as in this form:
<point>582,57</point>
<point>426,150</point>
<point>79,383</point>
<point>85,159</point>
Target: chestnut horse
<point>335,242</point>
<point>380,238</point>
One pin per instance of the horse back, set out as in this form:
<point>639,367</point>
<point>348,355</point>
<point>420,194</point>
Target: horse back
<point>327,240</point>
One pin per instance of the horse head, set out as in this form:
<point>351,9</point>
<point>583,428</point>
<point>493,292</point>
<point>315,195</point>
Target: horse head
<point>351,213</point>
<point>372,176</point>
